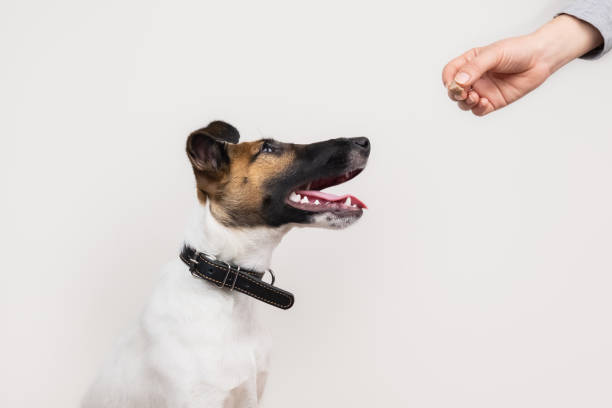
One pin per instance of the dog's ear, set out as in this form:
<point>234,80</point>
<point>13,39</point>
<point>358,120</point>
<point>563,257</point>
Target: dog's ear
<point>207,150</point>
<point>221,131</point>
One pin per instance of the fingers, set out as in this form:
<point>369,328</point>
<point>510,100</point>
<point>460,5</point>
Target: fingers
<point>479,106</point>
<point>463,106</point>
<point>464,71</point>
<point>485,59</point>
<point>461,73</point>
<point>483,107</point>
<point>450,70</point>
<point>470,101</point>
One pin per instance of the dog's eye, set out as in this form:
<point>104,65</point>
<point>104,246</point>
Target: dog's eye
<point>267,147</point>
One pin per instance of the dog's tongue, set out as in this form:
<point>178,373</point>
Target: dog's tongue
<point>315,194</point>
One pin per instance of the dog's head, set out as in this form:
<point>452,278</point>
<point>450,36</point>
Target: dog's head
<point>269,183</point>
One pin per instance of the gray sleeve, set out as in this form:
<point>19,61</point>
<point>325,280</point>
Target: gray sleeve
<point>598,13</point>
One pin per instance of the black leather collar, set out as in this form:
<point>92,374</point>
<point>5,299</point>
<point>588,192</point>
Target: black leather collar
<point>229,276</point>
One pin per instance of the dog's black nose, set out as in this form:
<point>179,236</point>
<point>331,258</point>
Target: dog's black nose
<point>362,142</point>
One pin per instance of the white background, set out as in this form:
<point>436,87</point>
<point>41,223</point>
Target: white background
<point>480,276</point>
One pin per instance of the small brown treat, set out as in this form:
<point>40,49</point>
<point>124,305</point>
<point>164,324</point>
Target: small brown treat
<point>455,89</point>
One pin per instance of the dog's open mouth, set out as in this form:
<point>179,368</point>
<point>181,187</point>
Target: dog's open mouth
<point>309,196</point>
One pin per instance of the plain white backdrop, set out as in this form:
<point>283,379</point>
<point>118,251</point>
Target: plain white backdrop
<point>480,276</point>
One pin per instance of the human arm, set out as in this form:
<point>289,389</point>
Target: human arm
<point>498,74</point>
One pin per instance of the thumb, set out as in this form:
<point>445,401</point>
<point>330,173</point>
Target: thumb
<point>485,59</point>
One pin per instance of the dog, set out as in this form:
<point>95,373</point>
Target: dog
<point>197,342</point>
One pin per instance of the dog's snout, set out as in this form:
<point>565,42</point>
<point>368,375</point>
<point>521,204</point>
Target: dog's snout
<point>362,142</point>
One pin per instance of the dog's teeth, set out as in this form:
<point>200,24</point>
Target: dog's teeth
<point>317,202</point>
<point>304,200</point>
<point>294,197</point>
<point>348,201</point>
<point>308,186</point>
<point>354,205</point>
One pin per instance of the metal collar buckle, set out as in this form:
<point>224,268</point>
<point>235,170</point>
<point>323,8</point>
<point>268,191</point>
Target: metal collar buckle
<point>272,275</point>
<point>195,260</point>
<point>229,270</point>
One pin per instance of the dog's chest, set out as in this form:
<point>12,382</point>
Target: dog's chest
<point>205,333</point>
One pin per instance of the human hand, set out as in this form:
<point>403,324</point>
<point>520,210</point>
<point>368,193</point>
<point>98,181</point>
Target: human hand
<point>488,78</point>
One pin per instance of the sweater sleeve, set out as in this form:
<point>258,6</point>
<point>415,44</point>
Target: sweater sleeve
<point>598,13</point>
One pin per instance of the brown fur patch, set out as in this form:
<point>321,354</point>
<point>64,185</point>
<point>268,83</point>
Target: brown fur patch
<point>237,195</point>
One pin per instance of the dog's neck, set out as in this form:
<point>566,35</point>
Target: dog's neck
<point>250,248</point>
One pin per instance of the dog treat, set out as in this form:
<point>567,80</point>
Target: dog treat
<point>455,89</point>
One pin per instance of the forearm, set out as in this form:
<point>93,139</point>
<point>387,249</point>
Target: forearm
<point>598,13</point>
<point>564,39</point>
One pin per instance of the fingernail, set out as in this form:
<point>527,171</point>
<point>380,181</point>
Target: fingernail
<point>462,78</point>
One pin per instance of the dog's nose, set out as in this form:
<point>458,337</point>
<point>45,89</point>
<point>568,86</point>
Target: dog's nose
<point>362,142</point>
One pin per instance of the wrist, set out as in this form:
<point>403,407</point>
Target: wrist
<point>564,39</point>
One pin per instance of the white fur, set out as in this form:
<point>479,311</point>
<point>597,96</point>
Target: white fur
<point>194,344</point>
